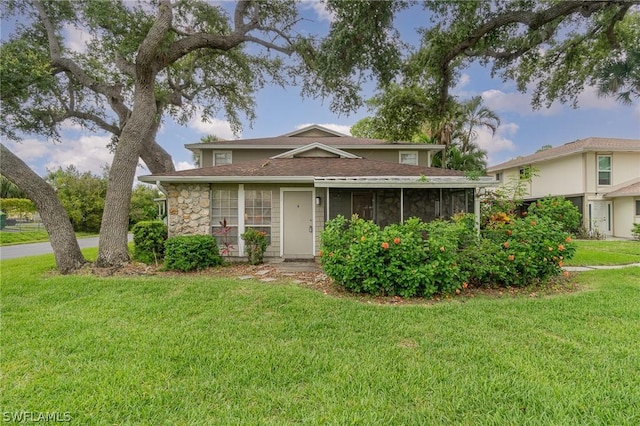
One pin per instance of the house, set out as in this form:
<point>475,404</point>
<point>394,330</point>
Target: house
<point>289,186</point>
<point>601,176</point>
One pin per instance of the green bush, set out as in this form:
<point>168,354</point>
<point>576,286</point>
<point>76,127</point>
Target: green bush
<point>255,245</point>
<point>519,253</point>
<point>560,210</point>
<point>191,252</point>
<point>148,240</point>
<point>409,259</point>
<point>636,231</point>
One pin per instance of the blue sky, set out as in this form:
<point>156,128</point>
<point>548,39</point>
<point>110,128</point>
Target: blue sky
<point>281,111</point>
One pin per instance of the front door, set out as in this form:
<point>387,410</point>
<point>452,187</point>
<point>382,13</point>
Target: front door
<point>600,217</point>
<point>363,205</point>
<point>297,224</point>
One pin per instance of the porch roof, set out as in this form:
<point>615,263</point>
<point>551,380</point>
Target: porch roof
<point>325,172</point>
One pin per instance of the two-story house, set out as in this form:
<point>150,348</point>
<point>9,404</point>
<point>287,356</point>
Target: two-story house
<point>289,186</point>
<point>601,176</point>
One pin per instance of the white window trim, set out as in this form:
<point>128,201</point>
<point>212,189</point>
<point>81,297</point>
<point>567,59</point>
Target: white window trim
<point>400,153</point>
<point>222,152</point>
<point>598,169</point>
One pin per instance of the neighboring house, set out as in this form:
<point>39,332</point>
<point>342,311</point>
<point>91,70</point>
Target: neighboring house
<point>601,176</point>
<point>289,186</point>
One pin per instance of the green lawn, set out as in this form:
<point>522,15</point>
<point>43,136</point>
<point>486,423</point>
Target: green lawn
<point>201,350</point>
<point>598,252</point>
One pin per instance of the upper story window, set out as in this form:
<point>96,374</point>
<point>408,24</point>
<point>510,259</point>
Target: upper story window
<point>221,158</point>
<point>409,157</point>
<point>604,170</point>
<point>525,173</point>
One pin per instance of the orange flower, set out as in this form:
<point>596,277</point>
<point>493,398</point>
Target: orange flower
<point>506,244</point>
<point>511,257</point>
<point>362,238</point>
<point>321,253</point>
<point>509,232</point>
<point>565,273</point>
<point>385,245</point>
<point>560,264</point>
<point>568,239</point>
<point>560,247</point>
<point>465,285</point>
<point>533,223</point>
<point>396,240</point>
<point>442,248</point>
<point>330,254</point>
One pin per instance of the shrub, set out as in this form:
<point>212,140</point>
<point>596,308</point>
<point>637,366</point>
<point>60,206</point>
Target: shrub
<point>560,210</point>
<point>148,239</point>
<point>518,253</point>
<point>255,245</point>
<point>636,231</point>
<point>191,252</point>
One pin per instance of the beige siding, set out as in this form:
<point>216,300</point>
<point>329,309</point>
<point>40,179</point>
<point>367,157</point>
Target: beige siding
<point>624,209</point>
<point>562,176</point>
<point>320,215</point>
<point>207,158</point>
<point>590,172</point>
<point>241,155</point>
<point>624,167</point>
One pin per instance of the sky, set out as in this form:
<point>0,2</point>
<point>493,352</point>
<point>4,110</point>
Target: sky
<point>283,110</point>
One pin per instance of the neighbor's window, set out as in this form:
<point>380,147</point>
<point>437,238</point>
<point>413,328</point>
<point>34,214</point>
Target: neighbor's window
<point>224,206</point>
<point>525,173</point>
<point>499,177</point>
<point>604,170</point>
<point>637,207</point>
<point>409,157</point>
<point>257,211</point>
<point>221,158</point>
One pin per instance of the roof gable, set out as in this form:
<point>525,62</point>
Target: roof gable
<point>316,149</point>
<point>314,131</point>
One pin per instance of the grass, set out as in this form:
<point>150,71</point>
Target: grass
<point>24,237</point>
<point>598,252</point>
<point>200,350</point>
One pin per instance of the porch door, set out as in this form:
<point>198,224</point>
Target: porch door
<point>363,205</point>
<point>600,217</point>
<point>297,224</point>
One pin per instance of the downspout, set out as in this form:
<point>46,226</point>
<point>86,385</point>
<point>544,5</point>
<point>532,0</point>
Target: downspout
<point>476,210</point>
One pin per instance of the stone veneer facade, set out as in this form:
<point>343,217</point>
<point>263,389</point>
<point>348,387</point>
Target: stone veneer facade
<point>189,210</point>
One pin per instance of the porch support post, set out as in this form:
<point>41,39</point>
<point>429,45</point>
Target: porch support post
<point>476,209</point>
<point>240,219</point>
<point>401,205</point>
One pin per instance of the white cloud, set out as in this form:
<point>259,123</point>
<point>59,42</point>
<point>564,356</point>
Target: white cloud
<point>88,154</point>
<point>501,141</point>
<point>517,102</point>
<point>589,99</point>
<point>465,79</point>
<point>29,150</point>
<point>340,128</point>
<point>76,39</point>
<point>184,165</point>
<point>213,126</point>
<point>320,9</point>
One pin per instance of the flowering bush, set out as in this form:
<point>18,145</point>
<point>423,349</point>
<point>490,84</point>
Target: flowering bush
<point>409,259</point>
<point>422,259</point>
<point>255,245</point>
<point>558,209</point>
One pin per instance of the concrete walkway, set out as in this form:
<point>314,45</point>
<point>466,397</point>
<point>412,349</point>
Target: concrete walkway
<point>596,267</point>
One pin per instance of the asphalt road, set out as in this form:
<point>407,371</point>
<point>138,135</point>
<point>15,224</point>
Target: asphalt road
<point>33,249</point>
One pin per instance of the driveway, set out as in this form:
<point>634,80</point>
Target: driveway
<point>34,249</point>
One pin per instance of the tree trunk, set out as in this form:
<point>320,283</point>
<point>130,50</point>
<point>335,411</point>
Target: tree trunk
<point>54,217</point>
<point>113,248</point>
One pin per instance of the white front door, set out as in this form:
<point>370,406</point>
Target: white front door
<point>297,223</point>
<point>600,217</point>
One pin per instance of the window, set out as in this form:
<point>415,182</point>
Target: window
<point>637,207</point>
<point>257,211</point>
<point>604,170</point>
<point>221,158</point>
<point>409,157</point>
<point>224,207</point>
<point>525,173</point>
<point>499,177</point>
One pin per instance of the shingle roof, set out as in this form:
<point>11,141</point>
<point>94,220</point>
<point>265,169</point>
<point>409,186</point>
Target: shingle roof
<point>582,145</point>
<point>313,167</point>
<point>627,189</point>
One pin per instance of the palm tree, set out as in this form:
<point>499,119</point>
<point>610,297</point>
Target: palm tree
<point>621,78</point>
<point>9,190</point>
<point>475,114</point>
